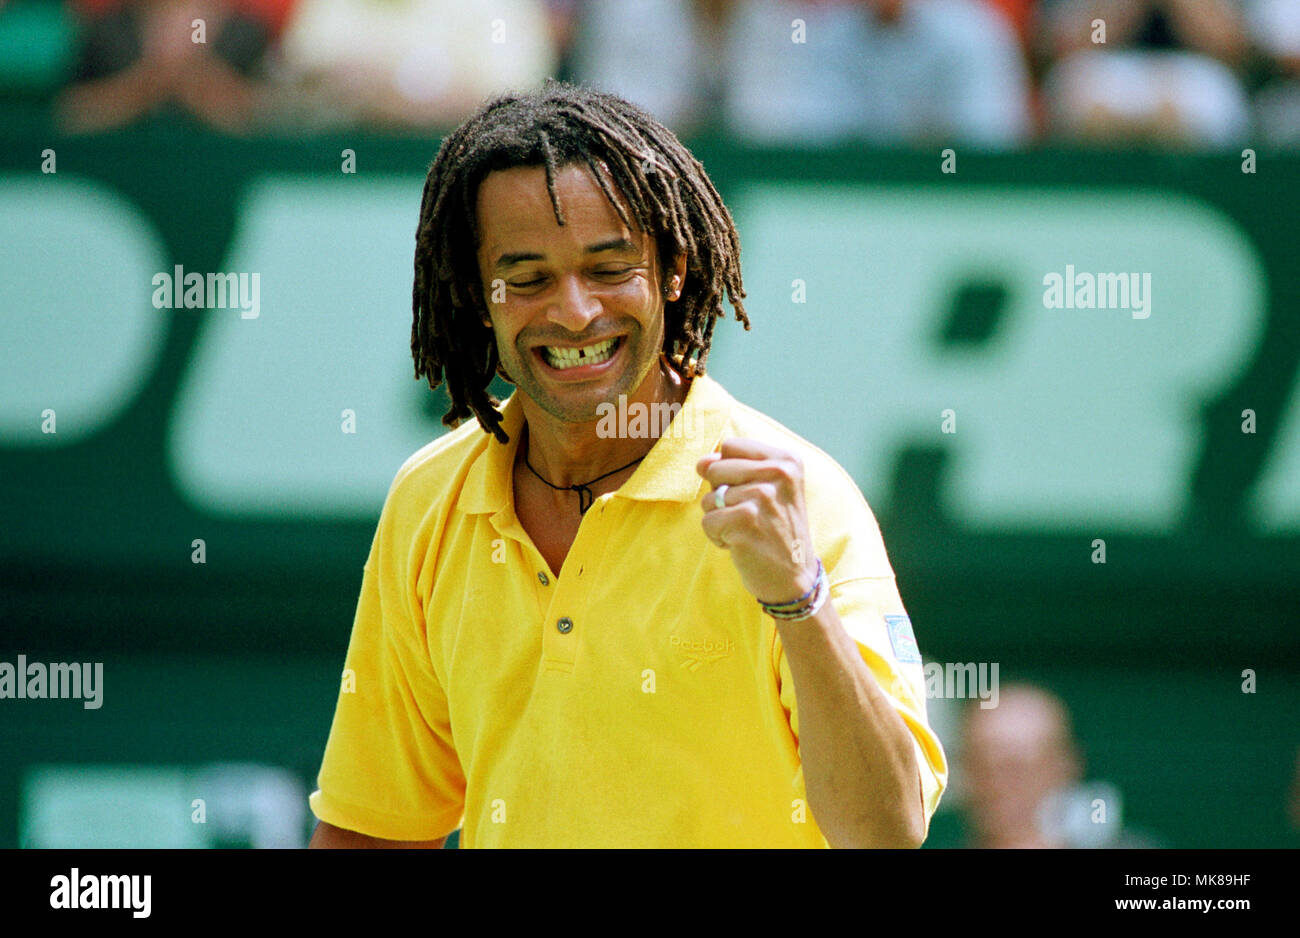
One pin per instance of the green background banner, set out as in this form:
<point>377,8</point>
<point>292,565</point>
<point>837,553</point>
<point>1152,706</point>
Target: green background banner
<point>899,323</point>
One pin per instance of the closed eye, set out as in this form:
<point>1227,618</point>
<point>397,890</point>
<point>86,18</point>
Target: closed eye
<point>539,280</point>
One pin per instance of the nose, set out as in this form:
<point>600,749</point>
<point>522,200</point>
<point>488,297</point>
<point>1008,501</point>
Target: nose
<point>574,305</point>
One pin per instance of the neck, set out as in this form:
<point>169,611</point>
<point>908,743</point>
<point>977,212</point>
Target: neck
<point>567,453</point>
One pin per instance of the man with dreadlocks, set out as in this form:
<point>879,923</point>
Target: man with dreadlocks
<point>575,634</point>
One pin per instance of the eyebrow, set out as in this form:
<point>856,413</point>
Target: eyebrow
<point>517,257</point>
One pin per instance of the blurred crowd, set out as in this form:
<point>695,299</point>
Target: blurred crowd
<point>991,73</point>
<point>1021,780</point>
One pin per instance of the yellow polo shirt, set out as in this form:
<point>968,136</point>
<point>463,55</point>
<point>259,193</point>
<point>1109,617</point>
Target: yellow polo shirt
<point>639,699</point>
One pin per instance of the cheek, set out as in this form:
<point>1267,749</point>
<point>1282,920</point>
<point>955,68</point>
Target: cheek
<point>638,294</point>
<point>510,315</point>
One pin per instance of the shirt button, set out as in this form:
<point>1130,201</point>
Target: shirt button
<point>565,625</point>
<point>541,576</point>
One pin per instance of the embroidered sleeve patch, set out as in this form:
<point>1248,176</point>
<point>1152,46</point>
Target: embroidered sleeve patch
<point>902,639</point>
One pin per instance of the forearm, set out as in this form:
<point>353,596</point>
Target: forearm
<point>112,101</point>
<point>859,758</point>
<point>216,93</point>
<point>859,761</point>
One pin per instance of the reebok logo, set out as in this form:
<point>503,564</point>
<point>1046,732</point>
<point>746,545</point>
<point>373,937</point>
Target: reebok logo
<point>695,653</point>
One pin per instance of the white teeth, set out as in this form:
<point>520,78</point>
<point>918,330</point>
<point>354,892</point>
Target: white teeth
<point>561,358</point>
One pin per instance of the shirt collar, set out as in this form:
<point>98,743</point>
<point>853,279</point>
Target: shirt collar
<point>666,474</point>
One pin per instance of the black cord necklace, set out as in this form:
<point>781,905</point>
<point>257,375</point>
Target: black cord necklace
<point>582,489</point>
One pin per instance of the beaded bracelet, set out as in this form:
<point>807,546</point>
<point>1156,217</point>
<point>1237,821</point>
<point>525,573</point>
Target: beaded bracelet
<point>794,603</point>
<point>806,605</point>
<point>794,615</point>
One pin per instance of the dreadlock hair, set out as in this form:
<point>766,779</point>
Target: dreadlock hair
<point>670,196</point>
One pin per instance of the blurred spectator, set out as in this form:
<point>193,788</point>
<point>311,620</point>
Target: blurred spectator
<point>655,53</point>
<point>409,63</point>
<point>1022,774</point>
<point>1293,802</point>
<point>887,71</point>
<point>1274,30</point>
<point>139,56</point>
<point>1020,14</point>
<point>1150,71</point>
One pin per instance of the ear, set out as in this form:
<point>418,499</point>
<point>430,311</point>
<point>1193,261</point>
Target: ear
<point>675,278</point>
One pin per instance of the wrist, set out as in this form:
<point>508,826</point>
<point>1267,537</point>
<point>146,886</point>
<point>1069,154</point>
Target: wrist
<point>805,605</point>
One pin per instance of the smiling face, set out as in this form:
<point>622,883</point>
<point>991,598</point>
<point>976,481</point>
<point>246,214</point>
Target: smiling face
<point>576,310</point>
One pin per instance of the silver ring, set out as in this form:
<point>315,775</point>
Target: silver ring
<point>720,497</point>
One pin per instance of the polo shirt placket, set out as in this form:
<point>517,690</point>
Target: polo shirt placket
<point>562,613</point>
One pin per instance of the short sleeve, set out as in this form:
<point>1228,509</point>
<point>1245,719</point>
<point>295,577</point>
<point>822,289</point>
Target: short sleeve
<point>865,595</point>
<point>390,769</point>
